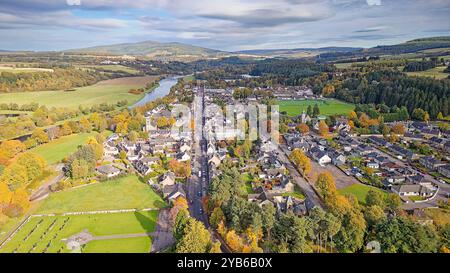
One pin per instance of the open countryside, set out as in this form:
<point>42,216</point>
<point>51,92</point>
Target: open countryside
<point>109,91</point>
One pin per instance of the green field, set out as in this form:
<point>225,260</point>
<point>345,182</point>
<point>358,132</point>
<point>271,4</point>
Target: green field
<point>436,73</point>
<point>359,191</point>
<point>123,245</point>
<point>327,107</point>
<point>114,68</point>
<point>122,193</point>
<point>110,92</point>
<point>45,234</point>
<point>53,152</point>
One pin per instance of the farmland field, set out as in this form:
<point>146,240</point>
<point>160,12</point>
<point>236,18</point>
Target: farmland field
<point>45,234</point>
<point>110,91</point>
<point>122,193</point>
<point>436,73</point>
<point>58,149</point>
<point>359,191</point>
<point>327,107</point>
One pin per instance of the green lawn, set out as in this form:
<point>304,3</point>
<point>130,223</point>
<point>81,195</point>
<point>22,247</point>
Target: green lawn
<point>53,152</point>
<point>103,92</point>
<point>47,233</point>
<point>122,193</point>
<point>327,107</point>
<point>124,245</point>
<point>359,191</point>
<point>247,178</point>
<point>297,193</point>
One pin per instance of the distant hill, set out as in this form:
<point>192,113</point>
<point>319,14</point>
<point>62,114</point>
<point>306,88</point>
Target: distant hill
<point>298,52</point>
<point>413,46</point>
<point>154,49</point>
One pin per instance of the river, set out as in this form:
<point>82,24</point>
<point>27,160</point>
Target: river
<point>159,92</point>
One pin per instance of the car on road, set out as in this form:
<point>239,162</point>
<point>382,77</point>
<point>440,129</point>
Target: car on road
<point>199,194</point>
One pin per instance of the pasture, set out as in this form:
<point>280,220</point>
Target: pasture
<point>54,151</point>
<point>327,107</point>
<point>437,73</point>
<point>121,193</point>
<point>109,91</point>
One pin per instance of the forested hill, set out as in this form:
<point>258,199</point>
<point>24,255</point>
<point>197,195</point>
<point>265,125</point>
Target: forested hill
<point>396,89</point>
<point>39,81</point>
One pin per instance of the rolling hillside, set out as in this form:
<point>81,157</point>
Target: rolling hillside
<point>154,49</point>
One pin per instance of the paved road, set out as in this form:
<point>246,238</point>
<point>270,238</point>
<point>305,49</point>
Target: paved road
<point>312,198</point>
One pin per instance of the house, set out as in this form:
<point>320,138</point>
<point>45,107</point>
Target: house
<point>338,159</point>
<point>108,170</point>
<point>172,192</point>
<point>142,168</point>
<point>412,190</point>
<point>109,151</point>
<point>185,148</point>
<point>215,160</point>
<point>167,179</point>
<point>285,204</point>
<point>444,170</point>
<point>430,162</point>
<point>372,165</point>
<point>321,157</point>
<point>150,160</point>
<point>183,156</point>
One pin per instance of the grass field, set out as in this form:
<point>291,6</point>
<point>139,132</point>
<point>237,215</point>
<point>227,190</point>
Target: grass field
<point>327,107</point>
<point>122,193</point>
<point>57,150</point>
<point>114,68</point>
<point>359,191</point>
<point>23,69</point>
<point>110,91</point>
<point>45,234</point>
<point>123,245</point>
<point>436,73</point>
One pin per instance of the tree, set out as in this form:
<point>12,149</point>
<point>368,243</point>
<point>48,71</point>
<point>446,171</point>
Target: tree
<point>328,90</point>
<point>5,195</point>
<point>303,128</point>
<point>40,136</point>
<point>79,169</point>
<point>326,185</point>
<point>316,110</point>
<point>402,235</point>
<point>9,149</point>
<point>15,176</point>
<point>323,128</point>
<point>301,161</point>
<point>375,198</point>
<point>440,116</point>
<point>234,241</point>
<point>352,115</point>
<point>196,238</point>
<point>268,219</point>
<point>216,217</point>
<point>393,201</point>
<point>374,214</point>
<point>180,224</point>
<point>85,125</point>
<point>215,248</point>
<point>180,203</point>
<point>33,163</point>
<point>309,111</point>
<point>398,129</point>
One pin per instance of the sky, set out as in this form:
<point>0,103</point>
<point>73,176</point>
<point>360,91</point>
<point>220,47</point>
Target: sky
<point>228,25</point>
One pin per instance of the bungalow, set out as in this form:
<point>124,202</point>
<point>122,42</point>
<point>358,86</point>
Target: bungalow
<point>430,162</point>
<point>108,170</point>
<point>444,170</point>
<point>412,190</point>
